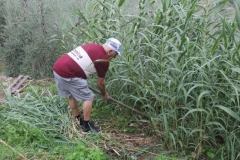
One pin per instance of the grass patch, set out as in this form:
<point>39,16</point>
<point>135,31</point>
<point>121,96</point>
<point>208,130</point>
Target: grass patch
<point>41,126</point>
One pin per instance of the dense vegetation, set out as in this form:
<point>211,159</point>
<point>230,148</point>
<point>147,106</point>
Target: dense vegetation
<point>180,64</point>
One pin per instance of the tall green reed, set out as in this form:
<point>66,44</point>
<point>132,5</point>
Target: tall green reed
<point>180,65</point>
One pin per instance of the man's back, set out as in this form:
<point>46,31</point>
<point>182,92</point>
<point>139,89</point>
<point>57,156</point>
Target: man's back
<point>78,62</point>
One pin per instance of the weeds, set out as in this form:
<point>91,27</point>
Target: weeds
<point>41,123</point>
<point>43,128</point>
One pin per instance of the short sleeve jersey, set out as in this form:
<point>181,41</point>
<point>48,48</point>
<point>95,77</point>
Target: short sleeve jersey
<point>82,62</point>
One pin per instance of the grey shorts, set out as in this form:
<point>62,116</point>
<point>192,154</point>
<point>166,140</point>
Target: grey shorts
<point>77,87</point>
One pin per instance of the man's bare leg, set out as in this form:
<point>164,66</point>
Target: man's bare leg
<point>87,109</point>
<point>74,106</point>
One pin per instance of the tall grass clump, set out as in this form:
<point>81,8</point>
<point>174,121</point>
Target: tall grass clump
<point>39,109</point>
<point>180,65</point>
<point>39,125</point>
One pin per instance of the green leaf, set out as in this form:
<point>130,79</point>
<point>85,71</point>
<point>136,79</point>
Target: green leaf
<point>79,13</point>
<point>237,16</point>
<point>165,5</point>
<point>195,110</point>
<point>200,97</point>
<point>218,7</point>
<point>191,11</point>
<point>210,154</point>
<point>103,5</point>
<point>121,3</point>
<point>229,111</point>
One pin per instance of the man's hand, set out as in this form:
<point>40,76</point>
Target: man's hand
<point>101,86</point>
<point>106,96</point>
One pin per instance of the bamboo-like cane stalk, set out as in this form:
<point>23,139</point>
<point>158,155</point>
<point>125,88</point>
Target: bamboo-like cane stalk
<point>14,150</point>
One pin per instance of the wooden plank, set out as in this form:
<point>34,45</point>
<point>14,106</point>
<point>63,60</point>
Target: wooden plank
<point>25,85</point>
<point>20,82</point>
<point>15,81</point>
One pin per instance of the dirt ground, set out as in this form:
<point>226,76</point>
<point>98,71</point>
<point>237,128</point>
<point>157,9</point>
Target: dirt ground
<point>135,144</point>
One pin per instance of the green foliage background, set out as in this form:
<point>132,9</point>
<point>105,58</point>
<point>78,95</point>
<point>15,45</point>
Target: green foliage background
<point>180,62</point>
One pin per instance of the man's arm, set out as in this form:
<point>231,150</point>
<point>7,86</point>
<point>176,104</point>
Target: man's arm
<point>101,86</point>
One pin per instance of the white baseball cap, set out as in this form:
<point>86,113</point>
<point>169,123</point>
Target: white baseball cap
<point>114,44</point>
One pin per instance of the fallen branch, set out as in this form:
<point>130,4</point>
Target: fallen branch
<point>8,146</point>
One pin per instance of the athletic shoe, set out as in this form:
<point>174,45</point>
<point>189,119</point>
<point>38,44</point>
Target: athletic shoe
<point>91,128</point>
